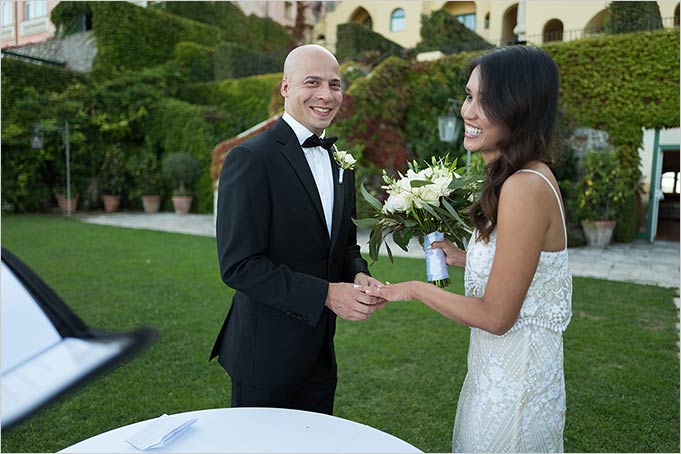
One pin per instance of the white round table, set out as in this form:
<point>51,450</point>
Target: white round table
<point>256,430</point>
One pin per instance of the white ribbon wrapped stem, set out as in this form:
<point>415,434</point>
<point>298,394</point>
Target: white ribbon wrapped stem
<point>436,266</point>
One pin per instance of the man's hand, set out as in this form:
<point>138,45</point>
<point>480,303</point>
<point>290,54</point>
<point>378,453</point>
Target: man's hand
<point>367,281</point>
<point>349,302</point>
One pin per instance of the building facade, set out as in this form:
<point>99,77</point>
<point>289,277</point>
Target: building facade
<point>499,22</point>
<point>286,13</point>
<point>25,22</point>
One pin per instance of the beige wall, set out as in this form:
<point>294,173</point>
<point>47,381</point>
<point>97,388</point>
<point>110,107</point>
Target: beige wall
<point>574,15</point>
<point>380,12</point>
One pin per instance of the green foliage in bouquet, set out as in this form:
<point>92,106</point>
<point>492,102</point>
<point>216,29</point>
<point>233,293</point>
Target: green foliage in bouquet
<point>434,197</point>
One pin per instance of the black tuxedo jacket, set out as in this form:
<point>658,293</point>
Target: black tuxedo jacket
<point>274,250</point>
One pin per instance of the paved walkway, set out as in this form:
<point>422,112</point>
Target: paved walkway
<point>639,262</point>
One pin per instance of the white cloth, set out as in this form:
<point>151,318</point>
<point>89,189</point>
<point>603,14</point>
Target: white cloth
<point>513,397</point>
<point>320,165</point>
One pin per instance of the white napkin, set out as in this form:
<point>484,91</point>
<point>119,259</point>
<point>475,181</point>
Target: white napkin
<point>159,433</point>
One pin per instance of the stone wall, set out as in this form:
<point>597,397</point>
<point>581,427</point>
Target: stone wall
<point>77,51</point>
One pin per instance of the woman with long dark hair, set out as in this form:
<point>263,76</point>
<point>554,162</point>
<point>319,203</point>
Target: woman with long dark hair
<point>518,284</point>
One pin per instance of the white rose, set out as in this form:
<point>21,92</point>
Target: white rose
<point>404,183</point>
<point>398,203</point>
<point>430,194</point>
<point>442,185</point>
<point>344,160</point>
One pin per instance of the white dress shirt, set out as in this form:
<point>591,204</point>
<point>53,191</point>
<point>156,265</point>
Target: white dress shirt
<point>320,164</point>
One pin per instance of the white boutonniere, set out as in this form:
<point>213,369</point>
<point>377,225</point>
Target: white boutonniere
<point>345,161</point>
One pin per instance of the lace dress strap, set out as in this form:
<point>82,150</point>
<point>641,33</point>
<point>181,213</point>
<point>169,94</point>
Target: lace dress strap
<point>560,205</point>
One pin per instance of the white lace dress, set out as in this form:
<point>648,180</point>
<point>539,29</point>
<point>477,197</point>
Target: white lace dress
<point>513,397</point>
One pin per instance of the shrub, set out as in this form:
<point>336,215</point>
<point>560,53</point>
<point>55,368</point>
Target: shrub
<point>442,31</point>
<point>602,187</point>
<point>112,170</point>
<point>233,61</point>
<point>351,71</point>
<point>130,37</point>
<point>607,83</point>
<point>67,16</point>
<point>260,34</point>
<point>627,17</point>
<point>181,170</point>
<point>356,42</point>
<point>195,61</point>
<point>144,167</point>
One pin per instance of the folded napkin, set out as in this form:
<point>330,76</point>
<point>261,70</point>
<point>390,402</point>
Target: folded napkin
<point>160,432</point>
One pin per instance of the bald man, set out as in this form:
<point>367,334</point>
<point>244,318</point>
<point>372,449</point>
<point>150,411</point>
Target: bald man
<point>287,245</point>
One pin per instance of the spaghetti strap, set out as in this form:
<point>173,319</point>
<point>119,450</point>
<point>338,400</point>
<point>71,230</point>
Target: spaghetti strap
<point>560,205</point>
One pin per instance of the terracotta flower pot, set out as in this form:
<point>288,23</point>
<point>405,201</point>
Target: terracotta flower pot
<point>64,204</point>
<point>598,233</point>
<point>111,202</point>
<point>151,203</point>
<point>182,204</point>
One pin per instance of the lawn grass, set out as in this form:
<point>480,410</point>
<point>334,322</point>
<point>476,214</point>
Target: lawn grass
<point>400,371</point>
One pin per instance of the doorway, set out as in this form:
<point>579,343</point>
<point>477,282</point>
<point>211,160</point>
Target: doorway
<point>668,214</point>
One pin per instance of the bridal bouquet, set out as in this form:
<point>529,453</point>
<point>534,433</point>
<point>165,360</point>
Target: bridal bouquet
<point>430,201</point>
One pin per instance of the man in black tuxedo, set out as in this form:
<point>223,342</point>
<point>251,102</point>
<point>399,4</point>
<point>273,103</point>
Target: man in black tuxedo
<point>287,245</point>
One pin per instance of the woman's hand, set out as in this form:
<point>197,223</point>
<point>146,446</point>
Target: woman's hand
<point>392,292</point>
<point>453,255</point>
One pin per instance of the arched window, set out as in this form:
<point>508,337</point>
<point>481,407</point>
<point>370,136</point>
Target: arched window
<point>361,16</point>
<point>509,22</point>
<point>463,11</point>
<point>6,18</point>
<point>553,31</point>
<point>676,16</point>
<point>596,24</point>
<point>487,21</point>
<point>398,20</point>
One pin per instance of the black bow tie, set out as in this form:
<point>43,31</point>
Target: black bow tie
<point>314,141</point>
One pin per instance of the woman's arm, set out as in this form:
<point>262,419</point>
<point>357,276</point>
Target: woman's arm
<point>522,222</point>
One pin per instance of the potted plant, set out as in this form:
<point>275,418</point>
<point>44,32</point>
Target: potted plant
<point>181,170</point>
<point>146,171</point>
<point>112,177</point>
<point>600,190</point>
<point>63,201</point>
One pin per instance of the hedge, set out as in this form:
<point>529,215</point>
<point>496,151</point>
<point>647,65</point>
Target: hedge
<point>618,83</point>
<point>630,16</point>
<point>18,74</point>
<point>67,16</point>
<point>28,175</point>
<point>442,31</point>
<point>233,61</point>
<point>144,54</point>
<point>177,126</point>
<point>237,104</point>
<point>130,37</point>
<point>357,42</point>
<point>194,61</point>
<point>259,34</point>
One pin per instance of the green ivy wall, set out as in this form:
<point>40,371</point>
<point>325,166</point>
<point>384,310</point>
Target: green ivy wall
<point>619,83</point>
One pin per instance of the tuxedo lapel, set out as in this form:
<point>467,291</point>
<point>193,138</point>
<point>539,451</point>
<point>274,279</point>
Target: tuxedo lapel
<point>338,200</point>
<point>294,154</point>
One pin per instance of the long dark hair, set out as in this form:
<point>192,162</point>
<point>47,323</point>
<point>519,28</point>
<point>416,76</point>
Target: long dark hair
<point>519,89</point>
